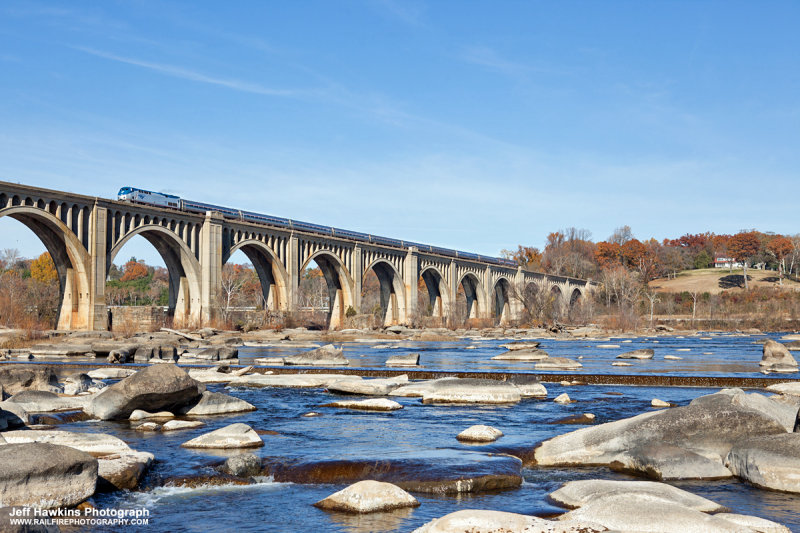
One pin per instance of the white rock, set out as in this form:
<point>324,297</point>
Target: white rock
<point>575,494</point>
<point>563,398</point>
<point>480,433</point>
<point>480,521</point>
<point>755,523</point>
<point>368,497</point>
<point>232,436</point>
<point>174,425</point>
<point>621,363</point>
<point>655,402</point>
<point>138,414</point>
<point>374,404</point>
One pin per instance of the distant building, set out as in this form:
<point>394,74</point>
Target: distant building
<point>726,262</point>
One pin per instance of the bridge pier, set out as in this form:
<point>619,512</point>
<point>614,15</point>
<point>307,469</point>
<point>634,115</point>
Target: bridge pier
<point>98,269</point>
<point>210,267</point>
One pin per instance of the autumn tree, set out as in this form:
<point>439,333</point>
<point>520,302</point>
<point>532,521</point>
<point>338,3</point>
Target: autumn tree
<point>779,247</point>
<point>743,247</point>
<point>607,254</point>
<point>134,270</point>
<point>43,269</point>
<point>527,257</point>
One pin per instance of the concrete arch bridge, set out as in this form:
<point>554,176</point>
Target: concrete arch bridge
<point>84,234</point>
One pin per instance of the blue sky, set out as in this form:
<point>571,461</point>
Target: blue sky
<point>472,125</point>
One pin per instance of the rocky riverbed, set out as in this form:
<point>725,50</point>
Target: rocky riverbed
<point>227,443</point>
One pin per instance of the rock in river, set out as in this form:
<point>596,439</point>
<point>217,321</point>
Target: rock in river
<point>481,521</point>
<point>557,363</point>
<point>368,497</point>
<point>216,403</point>
<point>154,388</point>
<point>771,462</point>
<point>574,494</point>
<point>479,433</point>
<point>471,390</point>
<point>411,359</point>
<point>709,426</point>
<point>45,475</point>
<point>776,356</point>
<point>16,378</point>
<point>370,387</point>
<point>642,353</point>
<point>532,354</point>
<point>374,404</point>
<point>327,355</point>
<point>435,471</point>
<point>232,436</point>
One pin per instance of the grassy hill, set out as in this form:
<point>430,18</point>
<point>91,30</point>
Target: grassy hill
<point>717,280</point>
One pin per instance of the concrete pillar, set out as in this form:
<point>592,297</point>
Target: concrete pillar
<point>337,310</point>
<point>453,287</point>
<point>488,289</point>
<point>98,318</point>
<point>410,282</point>
<point>293,271</point>
<point>210,266</point>
<point>518,290</point>
<point>358,276</point>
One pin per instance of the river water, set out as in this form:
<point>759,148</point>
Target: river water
<point>425,433</point>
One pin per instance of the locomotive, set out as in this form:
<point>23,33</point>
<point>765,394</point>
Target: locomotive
<point>141,196</point>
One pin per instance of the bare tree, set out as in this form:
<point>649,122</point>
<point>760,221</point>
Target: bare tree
<point>652,297</point>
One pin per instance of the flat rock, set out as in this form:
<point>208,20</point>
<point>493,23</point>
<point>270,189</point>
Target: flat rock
<point>471,390</point>
<point>147,426</point>
<point>418,388</point>
<point>327,355</point>
<point>369,387</point>
<point>655,402</point>
<point>482,521</point>
<point>771,462</point>
<point>34,401</point>
<point>123,471</point>
<point>645,513</point>
<point>45,475</point>
<point>642,353</point>
<point>216,403</point>
<point>368,497</point>
<point>479,433</point>
<point>435,472</point>
<point>531,354</point>
<point>153,388</point>
<point>620,363</point>
<point>529,386</point>
<point>557,363</point>
<point>666,462</point>
<point>111,373</point>
<point>174,425</point>
<point>574,494</point>
<point>374,404</point>
<point>410,359</point>
<point>754,523</point>
<point>792,388</point>
<point>232,436</point>
<point>520,345</point>
<point>138,414</point>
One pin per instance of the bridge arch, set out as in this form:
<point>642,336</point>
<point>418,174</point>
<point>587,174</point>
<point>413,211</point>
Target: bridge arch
<point>502,300</point>
<point>183,267</point>
<point>392,291</point>
<point>575,298</point>
<point>271,274</point>
<point>71,259</point>
<point>339,282</point>
<point>438,292</point>
<point>473,291</point>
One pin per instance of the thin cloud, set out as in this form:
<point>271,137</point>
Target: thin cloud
<point>191,75</point>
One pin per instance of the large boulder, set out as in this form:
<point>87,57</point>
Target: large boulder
<point>327,355</point>
<point>368,497</point>
<point>45,475</point>
<point>471,390</point>
<point>772,462</point>
<point>242,465</point>
<point>119,466</point>
<point>229,437</point>
<point>777,356</point>
<point>481,521</point>
<point>216,403</point>
<point>666,462</point>
<point>709,426</point>
<point>16,378</point>
<point>155,388</point>
<point>418,389</point>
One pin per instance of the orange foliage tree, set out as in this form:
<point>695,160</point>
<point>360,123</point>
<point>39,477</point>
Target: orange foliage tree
<point>134,270</point>
<point>743,247</point>
<point>780,247</point>
<point>43,269</point>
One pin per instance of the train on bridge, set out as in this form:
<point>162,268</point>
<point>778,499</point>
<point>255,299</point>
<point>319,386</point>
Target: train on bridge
<point>141,196</point>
